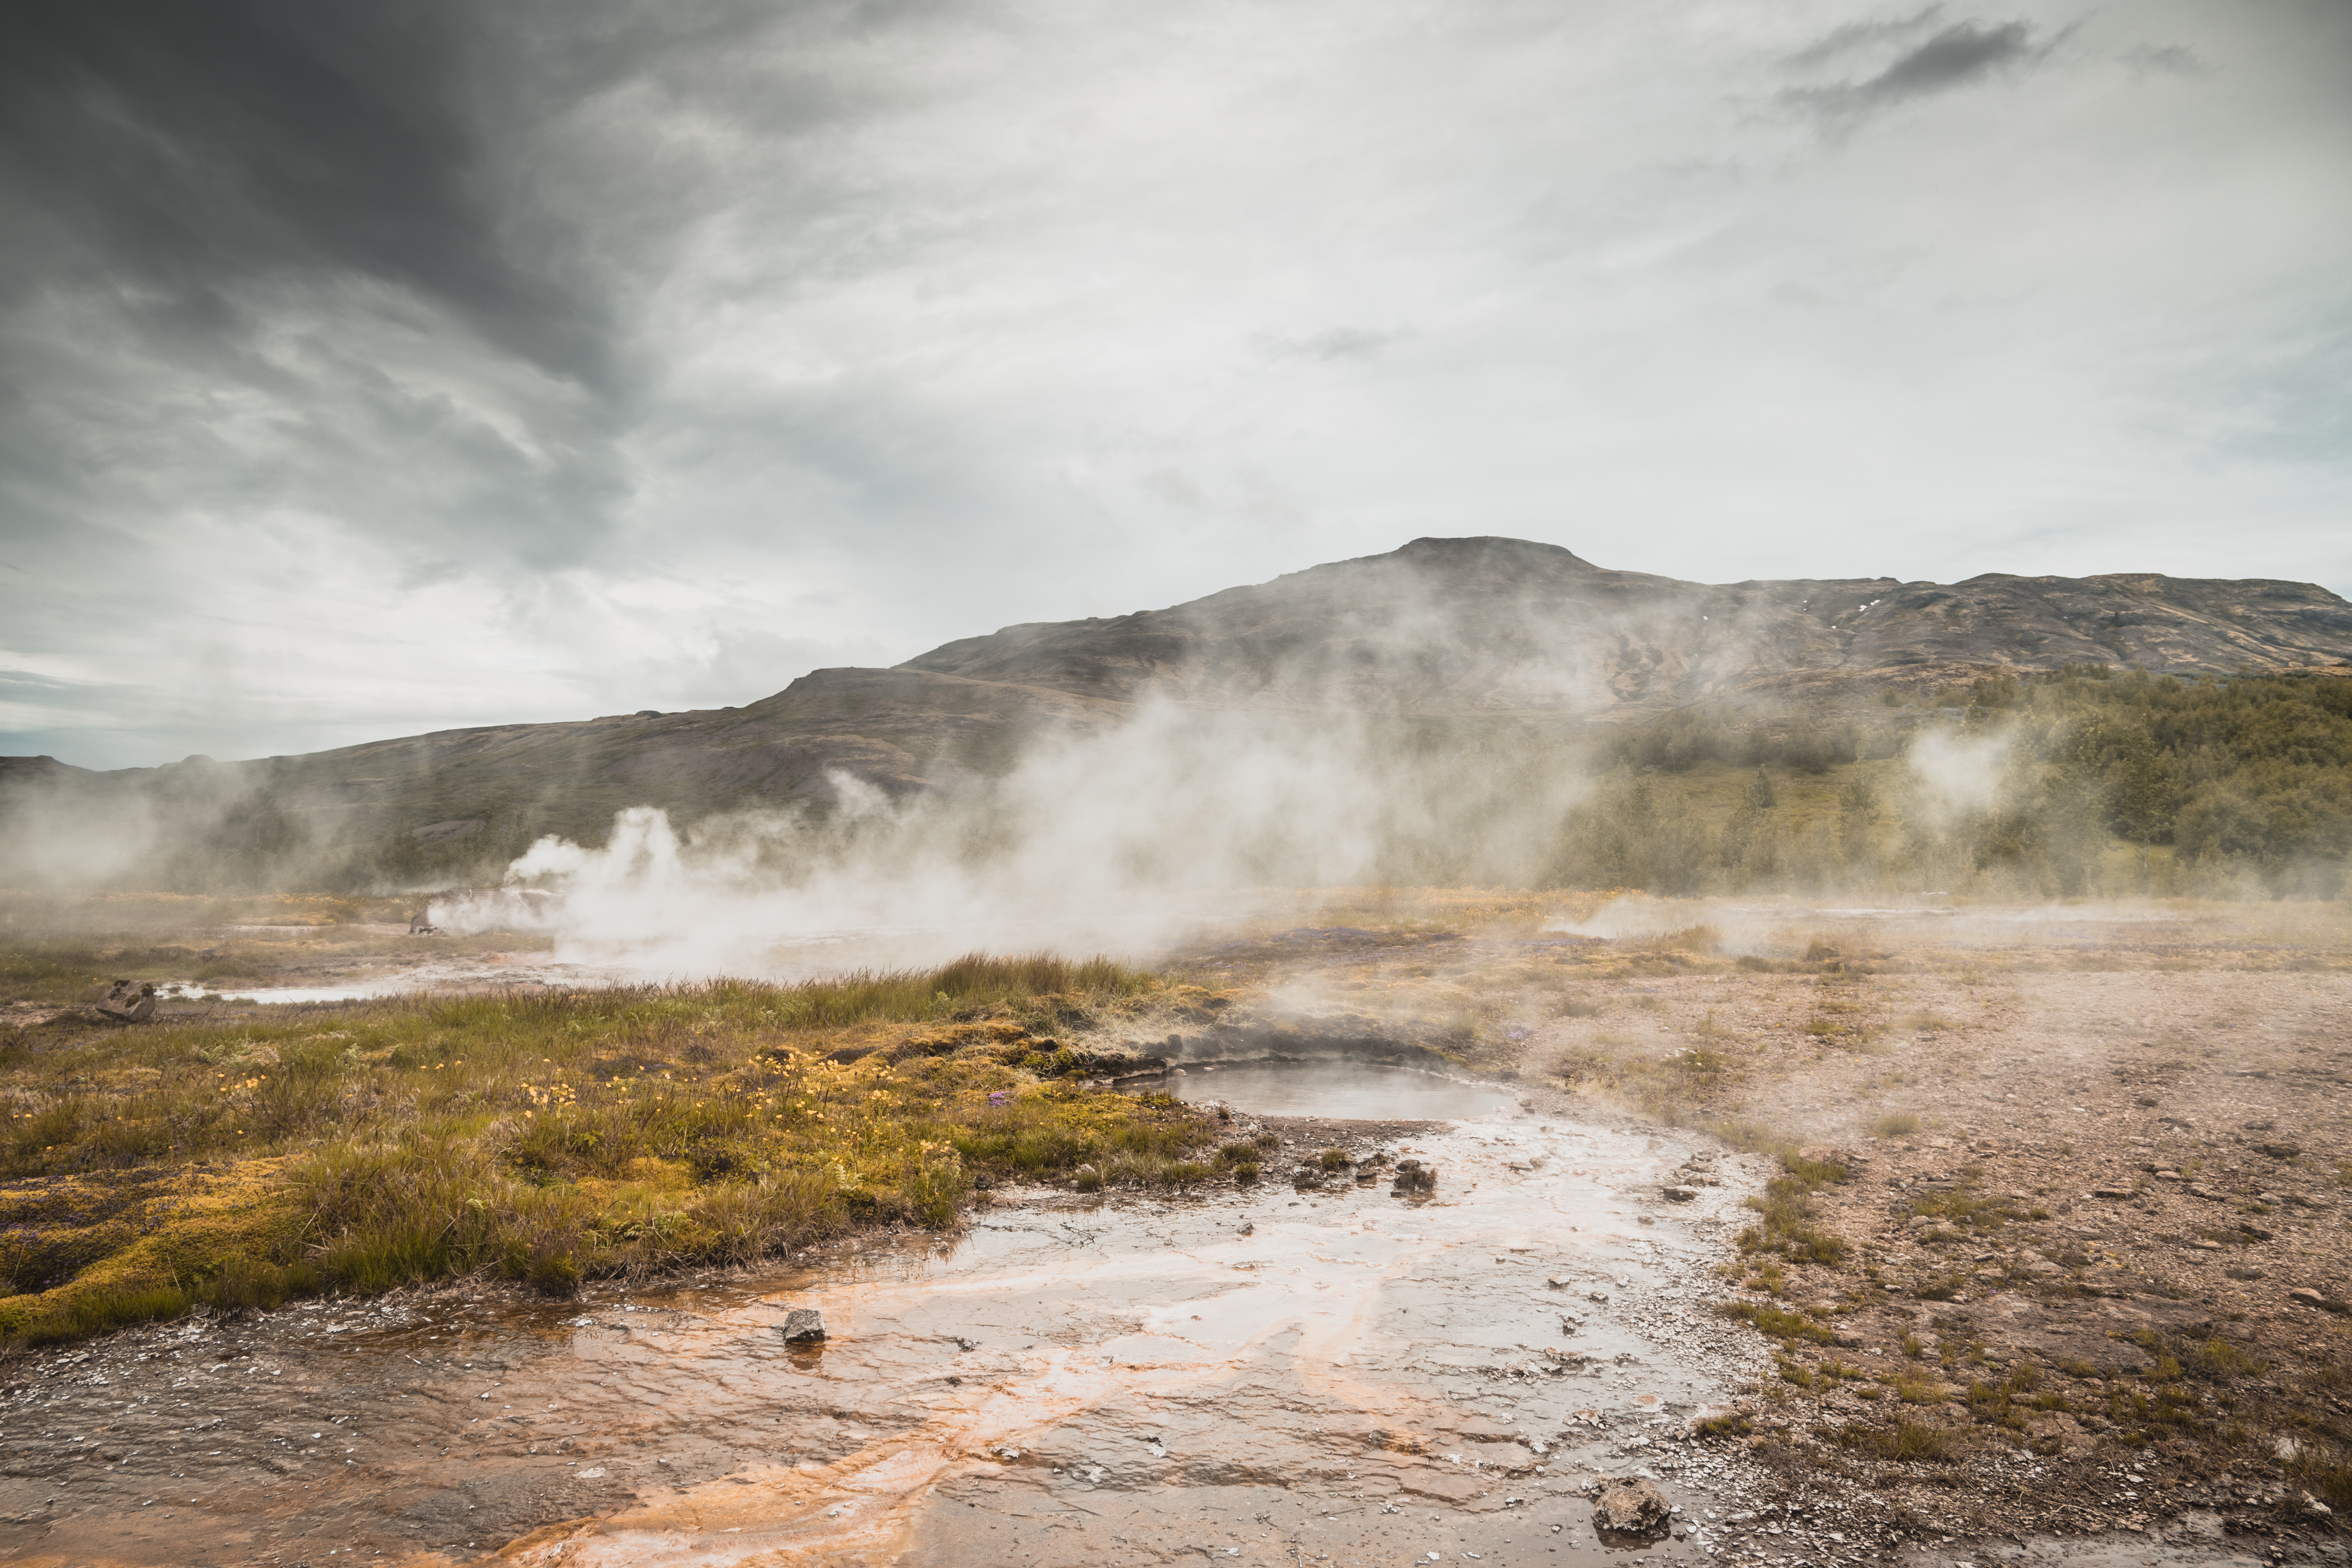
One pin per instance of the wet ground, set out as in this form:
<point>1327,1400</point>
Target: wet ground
<point>1334,1375</point>
<point>1352,1091</point>
<point>1360,1379</point>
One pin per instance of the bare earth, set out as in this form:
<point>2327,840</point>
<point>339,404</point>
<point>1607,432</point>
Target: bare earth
<point>2107,1261</point>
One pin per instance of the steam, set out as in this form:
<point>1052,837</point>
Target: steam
<point>1957,774</point>
<point>1119,841</point>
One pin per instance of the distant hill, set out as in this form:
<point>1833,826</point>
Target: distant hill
<point>1472,632</point>
<point>1450,626</point>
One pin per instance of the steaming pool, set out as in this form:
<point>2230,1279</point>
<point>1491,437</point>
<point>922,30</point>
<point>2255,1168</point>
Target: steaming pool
<point>1355,1092</point>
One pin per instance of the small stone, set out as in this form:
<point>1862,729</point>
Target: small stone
<point>2307,1295</point>
<point>2281,1151</point>
<point>804,1325</point>
<point>1629,1510</point>
<point>1679,1194</point>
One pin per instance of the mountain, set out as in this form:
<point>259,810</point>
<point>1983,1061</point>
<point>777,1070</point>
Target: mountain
<point>1450,625</point>
<point>1479,632</point>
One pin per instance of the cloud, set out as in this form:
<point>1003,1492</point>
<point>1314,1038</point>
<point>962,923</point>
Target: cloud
<point>394,366</point>
<point>1954,56</point>
<point>1333,343</point>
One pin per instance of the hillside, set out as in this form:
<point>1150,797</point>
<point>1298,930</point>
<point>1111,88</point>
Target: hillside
<point>1475,637</point>
<point>1449,626</point>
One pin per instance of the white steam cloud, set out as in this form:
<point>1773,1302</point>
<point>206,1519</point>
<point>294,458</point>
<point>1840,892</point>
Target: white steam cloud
<point>1958,774</point>
<point>1116,842</point>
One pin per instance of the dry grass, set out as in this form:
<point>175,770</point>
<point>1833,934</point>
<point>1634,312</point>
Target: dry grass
<point>546,1138</point>
<point>1905,1442</point>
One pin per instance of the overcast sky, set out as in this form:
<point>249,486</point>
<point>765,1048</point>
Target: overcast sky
<point>374,368</point>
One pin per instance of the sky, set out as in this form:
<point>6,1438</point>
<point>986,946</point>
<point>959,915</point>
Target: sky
<point>373,368</point>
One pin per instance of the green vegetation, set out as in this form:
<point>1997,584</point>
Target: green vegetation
<point>548,1138</point>
<point>1780,1323</point>
<point>2072,782</point>
<point>1790,1227</point>
<point>2079,780</point>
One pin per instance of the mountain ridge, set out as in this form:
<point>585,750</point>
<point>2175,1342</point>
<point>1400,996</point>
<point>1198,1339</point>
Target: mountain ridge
<point>1476,631</point>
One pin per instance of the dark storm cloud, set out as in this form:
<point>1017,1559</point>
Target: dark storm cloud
<point>1954,57</point>
<point>368,263</point>
<point>182,149</point>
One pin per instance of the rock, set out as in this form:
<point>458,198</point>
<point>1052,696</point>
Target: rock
<point>2314,1508</point>
<point>803,1326</point>
<point>1413,1176</point>
<point>1679,1194</point>
<point>129,1001</point>
<point>2281,1151</point>
<point>1629,1510</point>
<point>2111,1192</point>
<point>2307,1295</point>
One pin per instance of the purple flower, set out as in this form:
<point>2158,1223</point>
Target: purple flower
<point>999,1097</point>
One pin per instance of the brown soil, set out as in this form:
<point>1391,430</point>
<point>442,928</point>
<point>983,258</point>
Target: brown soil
<point>2089,1257</point>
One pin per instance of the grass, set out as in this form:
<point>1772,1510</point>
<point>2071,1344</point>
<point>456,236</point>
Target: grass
<point>1962,1206</point>
<point>549,1139</point>
<point>1914,1388</point>
<point>1905,1442</point>
<point>1669,1088</point>
<point>1789,1225</point>
<point>1779,1323</point>
<point>1895,1124</point>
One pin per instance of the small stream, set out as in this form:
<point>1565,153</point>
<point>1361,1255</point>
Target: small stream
<point>1255,1376</point>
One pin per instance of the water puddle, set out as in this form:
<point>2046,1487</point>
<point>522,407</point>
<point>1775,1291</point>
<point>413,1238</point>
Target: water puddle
<point>1348,1091</point>
<point>1258,1375</point>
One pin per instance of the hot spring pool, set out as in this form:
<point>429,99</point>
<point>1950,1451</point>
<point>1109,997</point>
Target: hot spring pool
<point>1359,1092</point>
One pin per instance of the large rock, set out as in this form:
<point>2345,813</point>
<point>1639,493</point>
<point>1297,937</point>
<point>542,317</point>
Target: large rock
<point>1629,1510</point>
<point>803,1326</point>
<point>129,1001</point>
<point>1413,1176</point>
